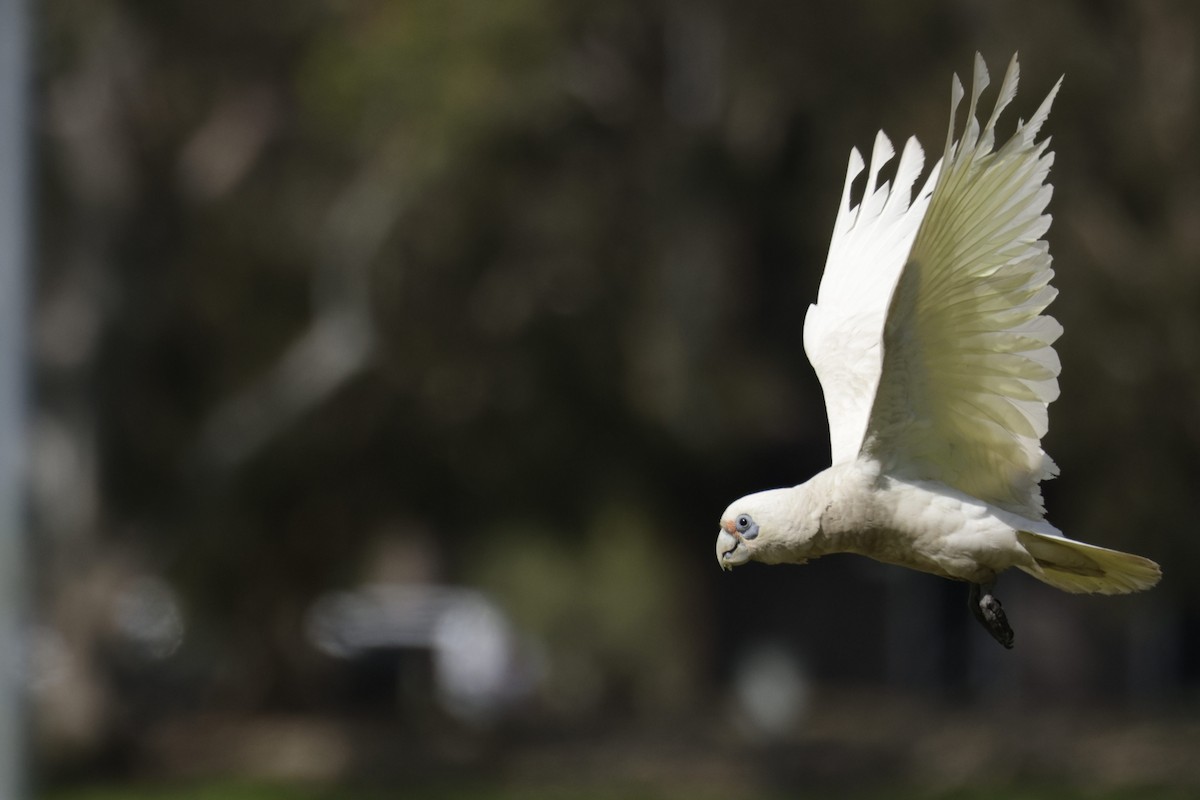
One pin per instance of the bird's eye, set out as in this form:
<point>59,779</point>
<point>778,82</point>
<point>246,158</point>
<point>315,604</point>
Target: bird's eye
<point>746,526</point>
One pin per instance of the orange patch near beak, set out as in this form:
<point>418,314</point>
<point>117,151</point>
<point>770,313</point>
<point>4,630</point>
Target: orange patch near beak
<point>729,527</point>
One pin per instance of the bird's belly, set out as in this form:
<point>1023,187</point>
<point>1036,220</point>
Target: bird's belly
<point>932,528</point>
<point>947,557</point>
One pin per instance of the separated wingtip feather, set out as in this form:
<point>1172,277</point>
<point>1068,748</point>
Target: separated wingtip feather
<point>856,164</point>
<point>1030,129</point>
<point>981,72</point>
<point>912,161</point>
<point>956,96</point>
<point>853,168</point>
<point>1008,90</point>
<point>881,154</point>
<point>979,81</point>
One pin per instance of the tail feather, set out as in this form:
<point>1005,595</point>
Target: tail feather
<point>1085,568</point>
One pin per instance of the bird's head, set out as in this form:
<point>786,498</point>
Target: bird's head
<point>771,527</point>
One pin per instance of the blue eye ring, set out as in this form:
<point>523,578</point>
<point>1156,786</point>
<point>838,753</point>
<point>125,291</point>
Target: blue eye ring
<point>746,526</point>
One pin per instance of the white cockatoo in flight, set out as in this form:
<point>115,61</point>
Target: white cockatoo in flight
<point>938,366</point>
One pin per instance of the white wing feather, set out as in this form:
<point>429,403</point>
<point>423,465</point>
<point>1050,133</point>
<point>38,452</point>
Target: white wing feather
<point>969,368</point>
<point>843,331</point>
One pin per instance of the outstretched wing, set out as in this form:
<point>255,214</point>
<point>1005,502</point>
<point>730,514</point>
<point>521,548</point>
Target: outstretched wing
<point>969,368</point>
<point>843,330</point>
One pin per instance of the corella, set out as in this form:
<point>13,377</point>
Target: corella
<point>938,367</point>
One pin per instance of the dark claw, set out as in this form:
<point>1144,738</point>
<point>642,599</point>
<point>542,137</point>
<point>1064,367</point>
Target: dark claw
<point>990,613</point>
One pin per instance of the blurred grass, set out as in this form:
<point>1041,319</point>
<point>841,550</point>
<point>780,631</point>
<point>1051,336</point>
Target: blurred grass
<point>254,791</point>
<point>209,791</point>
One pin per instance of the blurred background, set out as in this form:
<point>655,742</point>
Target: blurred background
<point>392,363</point>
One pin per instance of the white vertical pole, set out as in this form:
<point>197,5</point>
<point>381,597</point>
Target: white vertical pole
<point>14,255</point>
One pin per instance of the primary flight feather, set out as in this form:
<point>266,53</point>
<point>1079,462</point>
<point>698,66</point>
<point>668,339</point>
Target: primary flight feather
<point>938,366</point>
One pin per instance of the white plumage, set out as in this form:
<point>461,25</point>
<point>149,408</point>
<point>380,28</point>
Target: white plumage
<point>938,367</point>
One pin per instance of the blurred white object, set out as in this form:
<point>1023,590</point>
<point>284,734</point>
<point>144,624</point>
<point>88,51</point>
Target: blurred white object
<point>478,668</point>
<point>147,615</point>
<point>771,689</point>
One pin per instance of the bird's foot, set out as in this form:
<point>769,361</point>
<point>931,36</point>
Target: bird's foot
<point>990,613</point>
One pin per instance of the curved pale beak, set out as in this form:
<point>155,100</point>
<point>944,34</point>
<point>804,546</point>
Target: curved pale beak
<point>731,549</point>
